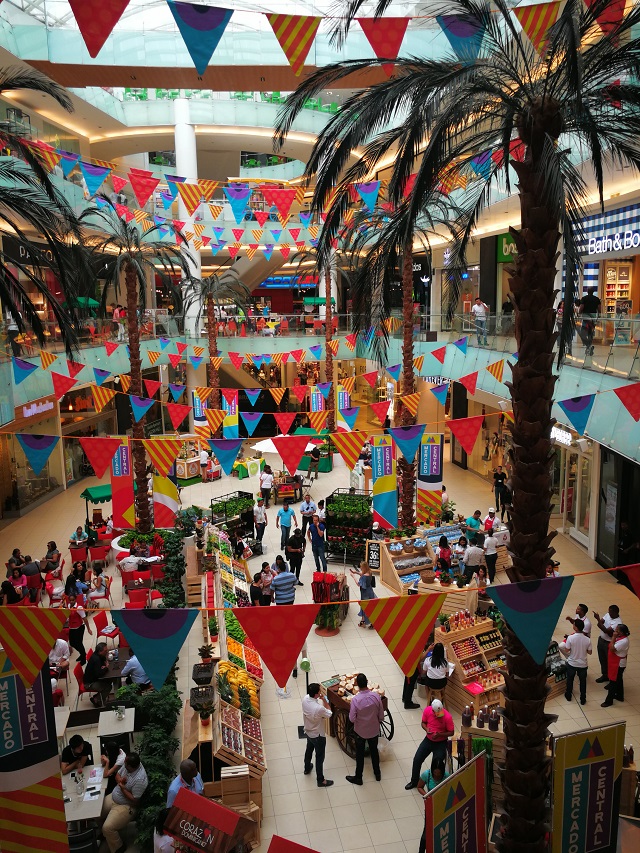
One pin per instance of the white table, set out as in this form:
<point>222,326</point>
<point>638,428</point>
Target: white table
<point>78,809</point>
<point>62,718</point>
<point>110,726</point>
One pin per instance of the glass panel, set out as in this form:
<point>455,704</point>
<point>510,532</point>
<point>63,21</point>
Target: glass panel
<point>584,496</point>
<point>570,491</point>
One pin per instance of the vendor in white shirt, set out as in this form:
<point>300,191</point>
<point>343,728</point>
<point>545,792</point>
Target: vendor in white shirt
<point>581,613</point>
<point>491,521</point>
<point>576,647</point>
<point>436,667</point>
<point>618,651</point>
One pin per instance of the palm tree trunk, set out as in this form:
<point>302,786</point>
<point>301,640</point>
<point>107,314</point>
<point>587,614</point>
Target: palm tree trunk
<point>526,777</point>
<point>328,357</point>
<point>143,513</point>
<point>407,471</point>
<point>213,377</point>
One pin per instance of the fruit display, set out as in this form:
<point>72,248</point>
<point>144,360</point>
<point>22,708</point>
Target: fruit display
<point>234,629</point>
<point>490,640</point>
<point>251,727</point>
<point>256,671</point>
<point>236,687</point>
<point>226,577</point>
<point>234,647</point>
<point>231,739</point>
<point>253,750</point>
<point>230,716</point>
<point>465,648</point>
<point>237,660</point>
<point>242,598</point>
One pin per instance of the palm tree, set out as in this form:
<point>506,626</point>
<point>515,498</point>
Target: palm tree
<point>126,257</point>
<point>433,118</point>
<point>205,294</point>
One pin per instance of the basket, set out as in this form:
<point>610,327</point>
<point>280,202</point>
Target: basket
<point>421,552</point>
<point>428,576</point>
<point>408,546</point>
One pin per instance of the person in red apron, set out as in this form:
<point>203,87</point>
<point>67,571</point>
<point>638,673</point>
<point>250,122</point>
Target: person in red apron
<point>617,663</point>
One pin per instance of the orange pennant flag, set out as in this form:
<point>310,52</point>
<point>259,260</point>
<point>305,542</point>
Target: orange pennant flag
<point>153,356</point>
<point>46,359</point>
<point>333,346</point>
<point>202,430</point>
<point>214,418</point>
<point>411,401</point>
<point>101,396</point>
<point>43,803</point>
<point>125,381</point>
<point>466,430</point>
<point>418,363</point>
<point>295,34</point>
<point>207,188</point>
<point>190,195</point>
<point>198,228</point>
<point>163,452</point>
<point>216,210</point>
<point>203,392</point>
<point>216,361</point>
<point>276,358</point>
<point>27,635</point>
<point>404,624</point>
<point>277,394</point>
<point>198,351</point>
<point>317,420</point>
<point>496,369</point>
<point>348,383</point>
<point>536,22</point>
<point>349,445</point>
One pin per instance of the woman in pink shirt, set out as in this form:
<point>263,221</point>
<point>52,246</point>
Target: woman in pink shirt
<point>19,582</point>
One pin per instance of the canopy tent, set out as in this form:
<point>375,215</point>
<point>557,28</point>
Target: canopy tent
<point>99,495</point>
<point>83,302</point>
<point>314,436</point>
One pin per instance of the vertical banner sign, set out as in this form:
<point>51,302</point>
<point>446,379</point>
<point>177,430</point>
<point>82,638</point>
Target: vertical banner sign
<point>200,425</point>
<point>385,482</point>
<point>455,811</point>
<point>586,790</point>
<point>316,400</point>
<point>122,497</point>
<point>429,496</point>
<point>343,401</point>
<point>230,423</point>
<point>31,807</point>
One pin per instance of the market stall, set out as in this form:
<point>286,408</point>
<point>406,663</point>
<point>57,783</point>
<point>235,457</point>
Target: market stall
<point>234,511</point>
<point>334,588</point>
<point>339,691</point>
<point>348,522</point>
<point>99,495</point>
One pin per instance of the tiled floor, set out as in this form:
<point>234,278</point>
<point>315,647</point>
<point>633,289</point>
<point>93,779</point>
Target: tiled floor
<point>377,816</point>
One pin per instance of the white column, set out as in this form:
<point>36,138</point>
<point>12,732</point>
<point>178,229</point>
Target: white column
<point>187,167</point>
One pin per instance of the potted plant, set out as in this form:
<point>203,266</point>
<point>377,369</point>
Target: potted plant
<point>205,711</point>
<point>213,629</point>
<point>206,652</point>
<point>445,579</point>
<point>460,580</point>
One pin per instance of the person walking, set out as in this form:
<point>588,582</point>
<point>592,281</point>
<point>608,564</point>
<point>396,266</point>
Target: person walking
<point>315,710</point>
<point>294,552</point>
<point>479,311</point>
<point>307,510</point>
<point>589,308</point>
<point>576,647</point>
<point>77,624</point>
<point>366,582</point>
<point>438,726</point>
<point>284,518</point>
<point>284,583</point>
<point>316,535</point>
<point>366,712</point>
<point>260,518</point>
<point>607,626</point>
<point>618,651</point>
<point>266,484</point>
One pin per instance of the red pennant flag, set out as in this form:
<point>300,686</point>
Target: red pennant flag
<point>611,14</point>
<point>371,378</point>
<point>278,634</point>
<point>230,395</point>
<point>629,396</point>
<point>439,354</point>
<point>516,151</point>
<point>469,381</point>
<point>177,413</point>
<point>381,410</point>
<point>99,452</point>
<point>143,184</point>
<point>62,384</point>
<point>261,216</point>
<point>110,347</point>
<point>214,418</point>
<point>118,183</point>
<point>96,19</point>
<point>282,198</point>
<point>297,354</point>
<point>74,367</point>
<point>385,37</point>
<point>236,359</point>
<point>233,250</point>
<point>174,358</point>
<point>349,445</point>
<point>295,233</point>
<point>152,386</point>
<point>351,341</point>
<point>181,347</point>
<point>466,430</point>
<point>300,391</point>
<point>291,449</point>
<point>284,420</point>
<point>238,233</point>
<point>295,34</point>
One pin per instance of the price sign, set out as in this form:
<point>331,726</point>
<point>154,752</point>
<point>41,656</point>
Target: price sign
<point>373,554</point>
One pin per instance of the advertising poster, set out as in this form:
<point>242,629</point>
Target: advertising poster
<point>385,481</point>
<point>122,498</point>
<point>200,824</point>
<point>230,406</point>
<point>455,811</point>
<point>429,493</point>
<point>343,401</point>
<point>586,790</point>
<point>316,400</point>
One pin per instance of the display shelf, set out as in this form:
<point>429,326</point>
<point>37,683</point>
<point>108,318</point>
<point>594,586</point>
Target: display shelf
<point>399,570</point>
<point>348,521</point>
<point>232,744</point>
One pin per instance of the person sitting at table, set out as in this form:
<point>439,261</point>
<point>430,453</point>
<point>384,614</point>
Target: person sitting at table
<point>59,657</point>
<point>98,585</point>
<point>188,778</point>
<point>52,558</point>
<point>112,759</point>
<point>75,580</point>
<point>135,674</point>
<point>16,559</point>
<point>78,538</point>
<point>95,671</point>
<point>132,562</point>
<point>19,582</point>
<point>8,595</point>
<point>119,808</point>
<point>76,755</point>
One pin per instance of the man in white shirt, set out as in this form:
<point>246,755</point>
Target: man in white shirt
<point>576,647</point>
<point>581,613</point>
<point>307,510</point>
<point>472,558</point>
<point>204,461</point>
<point>619,649</point>
<point>490,548</point>
<point>315,708</point>
<point>607,626</point>
<point>260,519</point>
<point>59,656</point>
<point>479,311</point>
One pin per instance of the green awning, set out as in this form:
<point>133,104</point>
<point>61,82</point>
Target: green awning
<point>316,300</point>
<point>309,431</point>
<point>100,494</point>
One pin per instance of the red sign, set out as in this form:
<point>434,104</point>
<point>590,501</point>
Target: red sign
<point>201,824</point>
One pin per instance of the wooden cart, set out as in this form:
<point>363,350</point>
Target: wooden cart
<point>341,726</point>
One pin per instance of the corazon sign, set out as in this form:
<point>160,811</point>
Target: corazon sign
<point>200,824</point>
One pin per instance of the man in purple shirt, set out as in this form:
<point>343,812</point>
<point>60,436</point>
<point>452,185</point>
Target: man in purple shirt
<point>366,712</point>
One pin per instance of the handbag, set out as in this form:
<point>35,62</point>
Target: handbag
<point>373,582</point>
<point>247,553</point>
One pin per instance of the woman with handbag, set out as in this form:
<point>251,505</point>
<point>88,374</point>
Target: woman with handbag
<point>367,583</point>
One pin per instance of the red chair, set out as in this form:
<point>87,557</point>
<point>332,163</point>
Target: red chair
<point>99,554</point>
<point>78,554</point>
<point>107,595</point>
<point>136,595</point>
<point>35,582</point>
<point>157,572</point>
<point>142,576</point>
<point>156,595</point>
<point>103,628</point>
<point>127,577</point>
<point>82,690</point>
<point>134,605</point>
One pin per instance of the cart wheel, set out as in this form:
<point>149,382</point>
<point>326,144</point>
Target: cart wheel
<point>386,726</point>
<point>344,603</point>
<point>344,732</point>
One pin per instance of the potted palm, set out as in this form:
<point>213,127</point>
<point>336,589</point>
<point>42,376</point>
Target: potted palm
<point>213,629</point>
<point>205,712</point>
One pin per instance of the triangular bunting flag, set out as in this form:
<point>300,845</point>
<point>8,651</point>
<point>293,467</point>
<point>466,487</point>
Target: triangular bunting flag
<point>214,418</point>
<point>74,367</point>
<point>418,363</point>
<point>230,395</point>
<point>22,369</point>
<point>285,249</point>
<point>440,392</point>
<point>110,347</point>
<point>153,356</point>
<point>629,396</point>
<point>62,384</point>
<point>238,196</point>
<point>516,152</point>
<point>251,249</point>
<point>295,233</point>
<point>351,340</point>
<point>163,452</point>
<point>461,343</point>
<point>143,184</point>
<point>464,33</point>
<point>139,406</point>
<point>371,378</point>
<point>261,217</point>
<point>385,37</point>
<point>305,218</point>
<point>324,388</point>
<point>176,391</point>
<point>236,359</point>
<point>195,362</point>
<point>316,351</point>
<point>238,233</point>
<point>317,420</point>
<point>251,421</point>
<point>46,359</point>
<point>27,635</point>
<point>177,413</point>
<point>291,449</point>
<point>466,430</point>
<point>404,624</point>
<point>216,361</point>
<point>277,358</point>
<point>37,449</point>
<point>349,416</point>
<point>295,34</point>
<point>610,14</point>
<point>201,28</point>
<point>496,369</point>
<point>349,445</point>
<point>118,183</point>
<point>252,395</point>
<point>94,176</point>
<point>125,381</point>
<point>174,358</point>
<point>234,249</point>
<point>537,20</point>
<point>394,371</point>
<point>411,401</point>
<point>439,354</point>
<point>277,394</point>
<point>278,634</point>
<point>226,451</point>
<point>333,347</point>
<point>101,396</point>
<point>203,392</point>
<point>157,636</point>
<point>101,375</point>
<point>152,386</point>
<point>369,192</point>
<point>280,197</point>
<point>381,410</point>
<point>216,210</point>
<point>96,21</point>
<point>298,354</point>
<point>348,383</point>
<point>275,233</point>
<point>532,610</point>
<point>99,452</point>
<point>300,391</point>
<point>284,420</point>
<point>190,195</point>
<point>408,439</point>
<point>578,409</point>
<point>208,187</point>
<point>470,381</point>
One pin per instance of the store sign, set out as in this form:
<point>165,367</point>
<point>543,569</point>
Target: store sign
<point>621,241</point>
<point>506,249</point>
<point>561,436</point>
<point>200,824</point>
<point>37,409</point>
<point>373,555</point>
<point>13,250</point>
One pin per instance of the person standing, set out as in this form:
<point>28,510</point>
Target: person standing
<point>77,623</point>
<point>576,647</point>
<point>266,577</point>
<point>266,484</point>
<point>315,535</point>
<point>490,521</point>
<point>294,551</point>
<point>438,726</point>
<point>315,709</point>
<point>366,712</point>
<point>581,613</point>
<point>472,558</point>
<point>499,480</point>
<point>284,583</point>
<point>479,311</point>
<point>284,518</point>
<point>618,651</point>
<point>588,308</point>
<point>607,626</point>
<point>307,510</point>
<point>490,548</point>
<point>366,582</point>
<point>260,518</point>
<point>314,462</point>
<point>474,522</point>
<point>204,461</point>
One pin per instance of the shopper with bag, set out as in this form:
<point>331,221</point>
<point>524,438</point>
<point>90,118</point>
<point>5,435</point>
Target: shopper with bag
<point>366,582</point>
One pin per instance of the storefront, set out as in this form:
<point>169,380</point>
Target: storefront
<point>79,419</point>
<point>619,497</point>
<point>575,485</point>
<point>440,288</point>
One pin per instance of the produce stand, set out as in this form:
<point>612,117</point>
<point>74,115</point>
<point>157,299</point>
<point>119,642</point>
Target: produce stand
<point>330,587</point>
<point>234,510</point>
<point>348,521</point>
<point>340,726</point>
<point>400,569</point>
<point>325,465</point>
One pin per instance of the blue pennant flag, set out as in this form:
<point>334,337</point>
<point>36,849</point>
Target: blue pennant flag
<point>94,176</point>
<point>408,439</point>
<point>101,203</point>
<point>164,342</point>
<point>101,375</point>
<point>367,336</point>
<point>68,162</point>
<point>196,361</point>
<point>252,395</point>
<point>251,421</point>
<point>314,241</point>
<point>316,350</point>
<point>22,369</point>
<point>176,391</point>
<point>157,636</point>
<point>305,218</point>
<point>275,233</point>
<point>324,388</point>
<point>257,360</point>
<point>268,251</point>
<point>218,231</point>
<point>140,406</point>
<point>172,182</point>
<point>440,392</point>
<point>578,409</point>
<point>226,450</point>
<point>37,449</point>
<point>167,200</point>
<point>350,416</point>
<point>394,371</point>
<point>464,33</point>
<point>215,248</point>
<point>481,164</point>
<point>238,196</point>
<point>201,28</point>
<point>369,194</point>
<point>461,343</point>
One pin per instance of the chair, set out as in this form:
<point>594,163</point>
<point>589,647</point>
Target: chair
<point>83,842</point>
<point>78,674</point>
<point>157,572</point>
<point>127,577</point>
<point>103,628</point>
<point>99,554</point>
<point>55,593</point>
<point>142,576</point>
<point>35,582</point>
<point>135,605</point>
<point>139,595</point>
<point>156,595</point>
<point>78,555</point>
<point>107,595</point>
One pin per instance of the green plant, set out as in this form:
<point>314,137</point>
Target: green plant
<point>132,536</point>
<point>171,585</point>
<point>209,546</point>
<point>186,519</point>
<point>213,626</point>
<point>443,617</point>
<point>328,617</point>
<point>206,710</point>
<point>205,651</point>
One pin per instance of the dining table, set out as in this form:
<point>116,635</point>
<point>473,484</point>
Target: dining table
<point>85,807</point>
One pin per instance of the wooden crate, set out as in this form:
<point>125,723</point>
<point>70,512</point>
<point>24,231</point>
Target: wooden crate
<point>213,790</point>
<point>628,790</point>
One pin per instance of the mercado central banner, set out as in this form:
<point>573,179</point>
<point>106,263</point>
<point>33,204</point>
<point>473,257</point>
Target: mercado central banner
<point>586,790</point>
<point>455,817</point>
